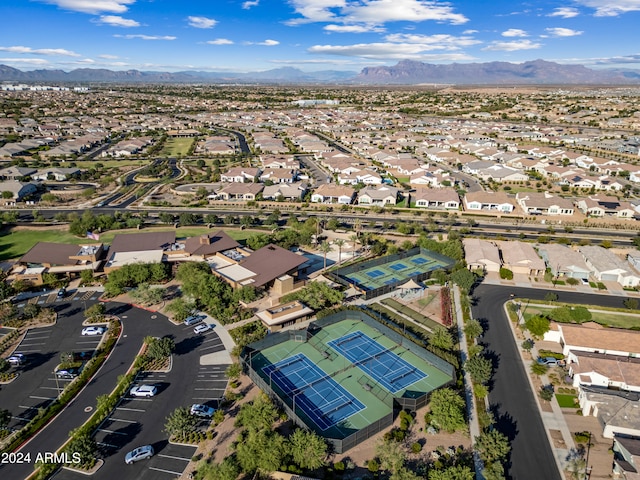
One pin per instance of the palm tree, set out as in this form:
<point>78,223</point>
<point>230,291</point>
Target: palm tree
<point>325,247</point>
<point>354,239</point>
<point>339,243</point>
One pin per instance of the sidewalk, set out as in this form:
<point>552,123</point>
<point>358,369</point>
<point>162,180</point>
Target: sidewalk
<point>474,426</point>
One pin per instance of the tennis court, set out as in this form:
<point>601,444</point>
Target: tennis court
<point>323,400</point>
<point>393,270</point>
<point>382,364</point>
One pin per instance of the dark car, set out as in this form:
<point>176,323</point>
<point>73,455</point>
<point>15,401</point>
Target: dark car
<point>62,292</point>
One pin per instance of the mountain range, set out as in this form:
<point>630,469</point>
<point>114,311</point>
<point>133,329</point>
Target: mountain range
<point>405,72</point>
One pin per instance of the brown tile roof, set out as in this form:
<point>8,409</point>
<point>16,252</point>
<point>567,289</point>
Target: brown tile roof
<point>51,253</point>
<point>136,242</point>
<point>209,244</point>
<point>271,262</point>
<point>593,335</point>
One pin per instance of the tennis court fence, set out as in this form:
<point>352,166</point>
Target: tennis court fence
<point>376,390</point>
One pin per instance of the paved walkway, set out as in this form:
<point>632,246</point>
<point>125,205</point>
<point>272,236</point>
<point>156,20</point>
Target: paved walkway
<point>472,408</point>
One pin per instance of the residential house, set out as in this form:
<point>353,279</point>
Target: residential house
<point>604,370</point>
<point>481,255</point>
<point>240,175</point>
<point>16,173</point>
<point>446,198</point>
<point>607,266</point>
<point>501,173</point>
<point>240,191</point>
<point>285,191</point>
<point>278,175</point>
<point>18,190</point>
<point>147,247</point>
<point>492,201</point>
<point>381,195</point>
<point>544,204</point>
<point>284,315</point>
<point>56,173</point>
<point>521,258</point>
<point>332,193</point>
<point>626,457</point>
<point>601,206</point>
<point>563,261</point>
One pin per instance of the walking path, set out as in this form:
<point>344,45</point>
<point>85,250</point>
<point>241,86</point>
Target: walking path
<point>472,408</point>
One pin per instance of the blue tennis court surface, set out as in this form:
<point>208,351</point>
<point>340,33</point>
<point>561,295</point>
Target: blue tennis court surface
<point>375,273</point>
<point>419,260</point>
<point>321,398</point>
<point>391,281</point>
<point>381,364</point>
<point>397,266</point>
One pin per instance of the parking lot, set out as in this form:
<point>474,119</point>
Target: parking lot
<point>52,297</point>
<point>37,385</point>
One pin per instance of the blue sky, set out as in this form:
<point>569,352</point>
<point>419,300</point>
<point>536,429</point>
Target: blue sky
<point>255,35</point>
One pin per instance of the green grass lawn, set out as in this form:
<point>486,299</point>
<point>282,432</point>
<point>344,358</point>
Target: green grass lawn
<point>14,244</point>
<point>127,162</point>
<point>174,147</point>
<point>566,401</point>
<point>614,319</point>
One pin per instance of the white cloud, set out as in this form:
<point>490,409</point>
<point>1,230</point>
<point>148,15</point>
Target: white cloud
<point>220,41</point>
<point>565,12</point>
<point>611,8</point>
<point>30,61</point>
<point>40,51</point>
<point>106,56</point>
<point>388,51</point>
<point>513,46</point>
<point>117,21</point>
<point>201,22</point>
<point>353,28</point>
<point>469,32</point>
<point>514,32</point>
<point>433,42</point>
<point>146,37</point>
<point>248,4</point>
<point>374,12</point>
<point>93,6</point>
<point>563,32</point>
<point>268,43</point>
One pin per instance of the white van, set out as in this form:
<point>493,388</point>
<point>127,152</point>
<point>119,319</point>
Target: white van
<point>192,320</point>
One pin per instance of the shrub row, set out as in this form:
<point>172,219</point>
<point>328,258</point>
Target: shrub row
<point>7,341</point>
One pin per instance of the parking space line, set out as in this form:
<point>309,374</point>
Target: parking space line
<point>213,340</point>
<point>42,398</point>
<point>140,399</point>
<point>205,398</point>
<point>165,471</point>
<point>107,445</point>
<point>175,458</point>
<point>26,407</point>
<point>30,351</point>
<point>130,409</point>
<point>212,346</point>
<point>21,418</point>
<point>112,431</point>
<point>122,420</point>
<point>33,344</point>
<point>52,388</point>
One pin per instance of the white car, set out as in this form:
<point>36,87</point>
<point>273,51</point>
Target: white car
<point>143,391</point>
<point>140,453</point>
<point>203,327</point>
<point>16,359</point>
<point>93,330</point>
<point>203,411</point>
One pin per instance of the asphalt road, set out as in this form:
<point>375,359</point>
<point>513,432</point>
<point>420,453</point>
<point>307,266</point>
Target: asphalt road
<point>511,398</point>
<point>136,325</point>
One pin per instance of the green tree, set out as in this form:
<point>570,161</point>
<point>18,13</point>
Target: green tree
<point>473,328</point>
<point>537,325</point>
<point>159,348</point>
<point>85,446</point>
<point>539,368</point>
<point>455,472</point>
<point>441,338</point>
<point>257,415</point>
<point>506,274</point>
<point>316,295</point>
<point>180,423</point>
<point>32,310</point>
<point>551,297</point>
<point>233,371</point>
<point>307,449</point>
<point>447,410</point>
<point>261,451</point>
<point>631,303</point>
<point>479,368</point>
<point>325,247</point>
<point>95,312</point>
<point>339,243</point>
<point>181,308</point>
<point>86,277</point>
<point>492,446</point>
<point>493,471</point>
<point>227,470</point>
<point>391,455</point>
<point>464,278</point>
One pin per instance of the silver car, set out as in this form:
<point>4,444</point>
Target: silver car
<point>140,453</point>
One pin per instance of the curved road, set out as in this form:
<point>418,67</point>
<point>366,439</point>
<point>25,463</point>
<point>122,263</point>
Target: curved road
<point>511,399</point>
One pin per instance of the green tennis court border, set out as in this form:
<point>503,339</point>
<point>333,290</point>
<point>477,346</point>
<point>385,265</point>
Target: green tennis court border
<point>380,404</point>
<point>356,275</point>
